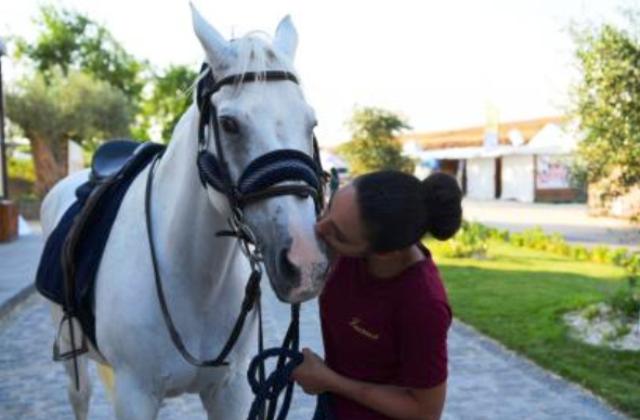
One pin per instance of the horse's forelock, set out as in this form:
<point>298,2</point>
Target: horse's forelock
<point>256,53</point>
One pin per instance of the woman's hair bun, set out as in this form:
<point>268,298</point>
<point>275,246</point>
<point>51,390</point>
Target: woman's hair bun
<point>443,200</point>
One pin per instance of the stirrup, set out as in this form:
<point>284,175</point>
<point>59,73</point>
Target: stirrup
<point>74,352</point>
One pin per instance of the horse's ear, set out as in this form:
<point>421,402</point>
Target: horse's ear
<point>218,49</point>
<point>286,39</point>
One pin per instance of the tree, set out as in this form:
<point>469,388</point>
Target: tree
<point>373,145</point>
<point>51,111</point>
<point>606,102</point>
<point>169,99</point>
<point>70,53</point>
<point>69,41</point>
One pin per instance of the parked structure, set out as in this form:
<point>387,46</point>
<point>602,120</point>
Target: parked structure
<point>531,160</point>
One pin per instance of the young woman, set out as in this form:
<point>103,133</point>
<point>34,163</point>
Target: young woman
<point>384,310</point>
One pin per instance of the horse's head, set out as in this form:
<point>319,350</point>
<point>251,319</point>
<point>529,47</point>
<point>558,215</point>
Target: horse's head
<point>257,118</point>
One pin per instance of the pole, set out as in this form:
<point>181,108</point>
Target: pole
<point>4,187</point>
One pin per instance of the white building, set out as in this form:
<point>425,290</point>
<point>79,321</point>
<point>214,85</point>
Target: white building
<point>531,162</point>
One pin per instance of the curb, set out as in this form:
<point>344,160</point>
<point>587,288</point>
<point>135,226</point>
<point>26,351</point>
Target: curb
<point>10,304</point>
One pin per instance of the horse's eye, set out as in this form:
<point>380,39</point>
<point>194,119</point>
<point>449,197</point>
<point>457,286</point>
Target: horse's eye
<point>229,125</point>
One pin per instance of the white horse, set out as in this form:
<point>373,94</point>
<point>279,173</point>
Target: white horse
<point>203,276</point>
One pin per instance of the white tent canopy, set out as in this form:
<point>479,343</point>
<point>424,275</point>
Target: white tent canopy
<point>551,140</point>
<point>330,160</point>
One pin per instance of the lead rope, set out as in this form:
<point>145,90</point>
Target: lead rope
<point>268,390</point>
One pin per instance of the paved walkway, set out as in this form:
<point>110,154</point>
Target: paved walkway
<point>18,265</point>
<point>486,381</point>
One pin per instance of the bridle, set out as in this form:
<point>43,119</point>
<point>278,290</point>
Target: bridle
<point>259,181</point>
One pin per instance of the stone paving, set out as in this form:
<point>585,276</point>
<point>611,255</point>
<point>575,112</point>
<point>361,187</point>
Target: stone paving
<point>18,265</point>
<point>486,381</point>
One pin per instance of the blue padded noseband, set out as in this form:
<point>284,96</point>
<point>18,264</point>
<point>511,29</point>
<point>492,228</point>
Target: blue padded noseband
<point>260,179</point>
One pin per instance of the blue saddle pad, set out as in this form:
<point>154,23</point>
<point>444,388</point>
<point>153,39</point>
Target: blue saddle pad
<point>91,244</point>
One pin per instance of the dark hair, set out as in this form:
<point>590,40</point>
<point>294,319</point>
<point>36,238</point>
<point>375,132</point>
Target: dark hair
<point>398,209</point>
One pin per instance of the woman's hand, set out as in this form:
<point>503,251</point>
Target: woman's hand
<point>313,375</point>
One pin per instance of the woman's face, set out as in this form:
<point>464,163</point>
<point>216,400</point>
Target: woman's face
<point>341,227</point>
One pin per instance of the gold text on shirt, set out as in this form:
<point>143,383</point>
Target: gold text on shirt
<point>359,329</point>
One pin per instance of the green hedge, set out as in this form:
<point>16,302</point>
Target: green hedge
<point>473,237</point>
<point>470,241</point>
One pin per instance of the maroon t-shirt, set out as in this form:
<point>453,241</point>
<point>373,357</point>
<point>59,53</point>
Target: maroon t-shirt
<point>387,331</point>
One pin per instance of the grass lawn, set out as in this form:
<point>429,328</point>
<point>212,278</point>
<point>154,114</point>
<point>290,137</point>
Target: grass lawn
<point>518,297</point>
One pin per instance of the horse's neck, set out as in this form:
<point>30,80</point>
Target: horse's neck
<point>185,222</point>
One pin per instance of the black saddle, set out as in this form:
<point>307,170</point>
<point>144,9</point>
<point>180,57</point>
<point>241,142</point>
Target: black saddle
<point>111,157</point>
<point>73,251</point>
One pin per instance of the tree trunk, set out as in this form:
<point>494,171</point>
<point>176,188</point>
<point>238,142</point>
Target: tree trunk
<point>49,170</point>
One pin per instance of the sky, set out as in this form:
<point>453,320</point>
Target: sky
<point>440,64</point>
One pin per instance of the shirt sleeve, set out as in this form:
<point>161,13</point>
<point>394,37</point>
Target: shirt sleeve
<point>422,334</point>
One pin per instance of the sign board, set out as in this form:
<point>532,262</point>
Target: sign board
<point>553,172</point>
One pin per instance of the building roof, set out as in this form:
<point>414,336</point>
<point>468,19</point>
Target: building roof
<point>474,136</point>
<point>550,140</point>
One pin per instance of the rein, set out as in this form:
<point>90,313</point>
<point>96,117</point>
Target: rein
<point>257,182</point>
<point>252,292</point>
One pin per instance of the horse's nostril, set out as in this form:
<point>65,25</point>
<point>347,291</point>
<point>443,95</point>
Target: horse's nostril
<point>287,269</point>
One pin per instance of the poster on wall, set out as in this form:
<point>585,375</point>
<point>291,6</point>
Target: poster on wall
<point>553,172</point>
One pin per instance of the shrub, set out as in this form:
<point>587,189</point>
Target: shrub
<point>626,302</point>
<point>535,238</point>
<point>600,254</point>
<point>470,241</point>
<point>21,169</point>
<point>557,244</point>
<point>499,234</point>
<point>580,253</point>
<point>619,256</point>
<point>631,265</point>
<point>591,312</point>
<point>516,239</point>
